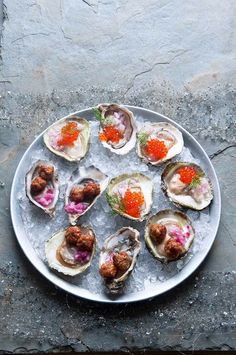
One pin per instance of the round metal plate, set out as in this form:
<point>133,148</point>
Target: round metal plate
<point>152,290</point>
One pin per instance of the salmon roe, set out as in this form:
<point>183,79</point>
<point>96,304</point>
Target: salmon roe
<point>132,202</point>
<point>187,173</point>
<point>110,133</point>
<point>69,134</point>
<point>156,149</point>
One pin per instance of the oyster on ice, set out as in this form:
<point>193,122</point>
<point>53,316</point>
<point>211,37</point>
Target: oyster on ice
<point>117,128</point>
<point>42,186</point>
<point>83,191</point>
<point>69,138</point>
<point>187,185</point>
<point>169,235</point>
<point>118,257</point>
<point>131,195</point>
<point>71,251</point>
<point>159,142</point>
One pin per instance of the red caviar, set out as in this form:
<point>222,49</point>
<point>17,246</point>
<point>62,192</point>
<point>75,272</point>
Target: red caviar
<point>133,202</point>
<point>156,149</point>
<point>187,173</point>
<point>110,133</point>
<point>69,134</point>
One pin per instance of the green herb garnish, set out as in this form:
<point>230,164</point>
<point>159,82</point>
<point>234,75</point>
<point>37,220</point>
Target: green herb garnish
<point>113,200</point>
<point>143,137</point>
<point>113,213</point>
<point>97,114</point>
<point>196,180</point>
<point>115,203</point>
<point>105,121</point>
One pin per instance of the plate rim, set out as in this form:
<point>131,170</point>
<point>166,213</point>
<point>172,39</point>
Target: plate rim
<point>44,270</point>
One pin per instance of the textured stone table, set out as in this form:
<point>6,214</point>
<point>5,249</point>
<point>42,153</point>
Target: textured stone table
<point>175,57</point>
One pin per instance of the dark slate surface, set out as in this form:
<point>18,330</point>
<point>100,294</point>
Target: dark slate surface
<point>57,58</point>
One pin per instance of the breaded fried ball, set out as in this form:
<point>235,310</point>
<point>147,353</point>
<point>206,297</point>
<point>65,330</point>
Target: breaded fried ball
<point>122,260</point>
<point>157,233</point>
<point>108,270</point>
<point>38,184</point>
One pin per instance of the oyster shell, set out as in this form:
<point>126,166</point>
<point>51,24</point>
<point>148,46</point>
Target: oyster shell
<point>46,191</point>
<point>64,258</point>
<point>136,184</point>
<point>75,209</point>
<point>122,121</point>
<point>161,131</point>
<point>197,194</point>
<point>125,240</point>
<point>169,235</point>
<point>71,151</point>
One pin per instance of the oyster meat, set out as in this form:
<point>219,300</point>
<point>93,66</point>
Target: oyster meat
<point>71,251</point>
<point>118,257</point>
<point>42,186</point>
<point>117,127</point>
<point>131,195</point>
<point>158,142</point>
<point>68,138</point>
<point>187,185</point>
<point>169,235</point>
<point>83,191</point>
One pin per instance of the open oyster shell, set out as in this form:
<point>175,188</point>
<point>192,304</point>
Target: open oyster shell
<point>161,131</point>
<point>196,195</point>
<point>126,240</point>
<point>48,197</point>
<point>86,175</point>
<point>135,182</point>
<point>178,229</point>
<point>54,245</point>
<point>75,151</point>
<point>123,121</point>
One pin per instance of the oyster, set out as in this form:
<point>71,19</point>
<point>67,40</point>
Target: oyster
<point>117,127</point>
<point>158,142</point>
<point>71,251</point>
<point>118,257</point>
<point>68,138</point>
<point>131,195</point>
<point>83,191</point>
<point>42,186</point>
<point>187,185</point>
<point>169,235</point>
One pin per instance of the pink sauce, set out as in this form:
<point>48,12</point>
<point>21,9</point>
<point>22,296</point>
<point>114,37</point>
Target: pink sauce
<point>82,256</point>
<point>109,257</point>
<point>46,198</point>
<point>180,234</point>
<point>75,208</point>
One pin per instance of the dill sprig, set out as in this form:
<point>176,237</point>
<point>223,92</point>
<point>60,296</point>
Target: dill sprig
<point>113,213</point>
<point>113,200</point>
<point>105,121</point>
<point>97,114</point>
<point>143,137</point>
<point>196,180</point>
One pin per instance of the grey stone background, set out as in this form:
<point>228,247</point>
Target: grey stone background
<point>173,56</point>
